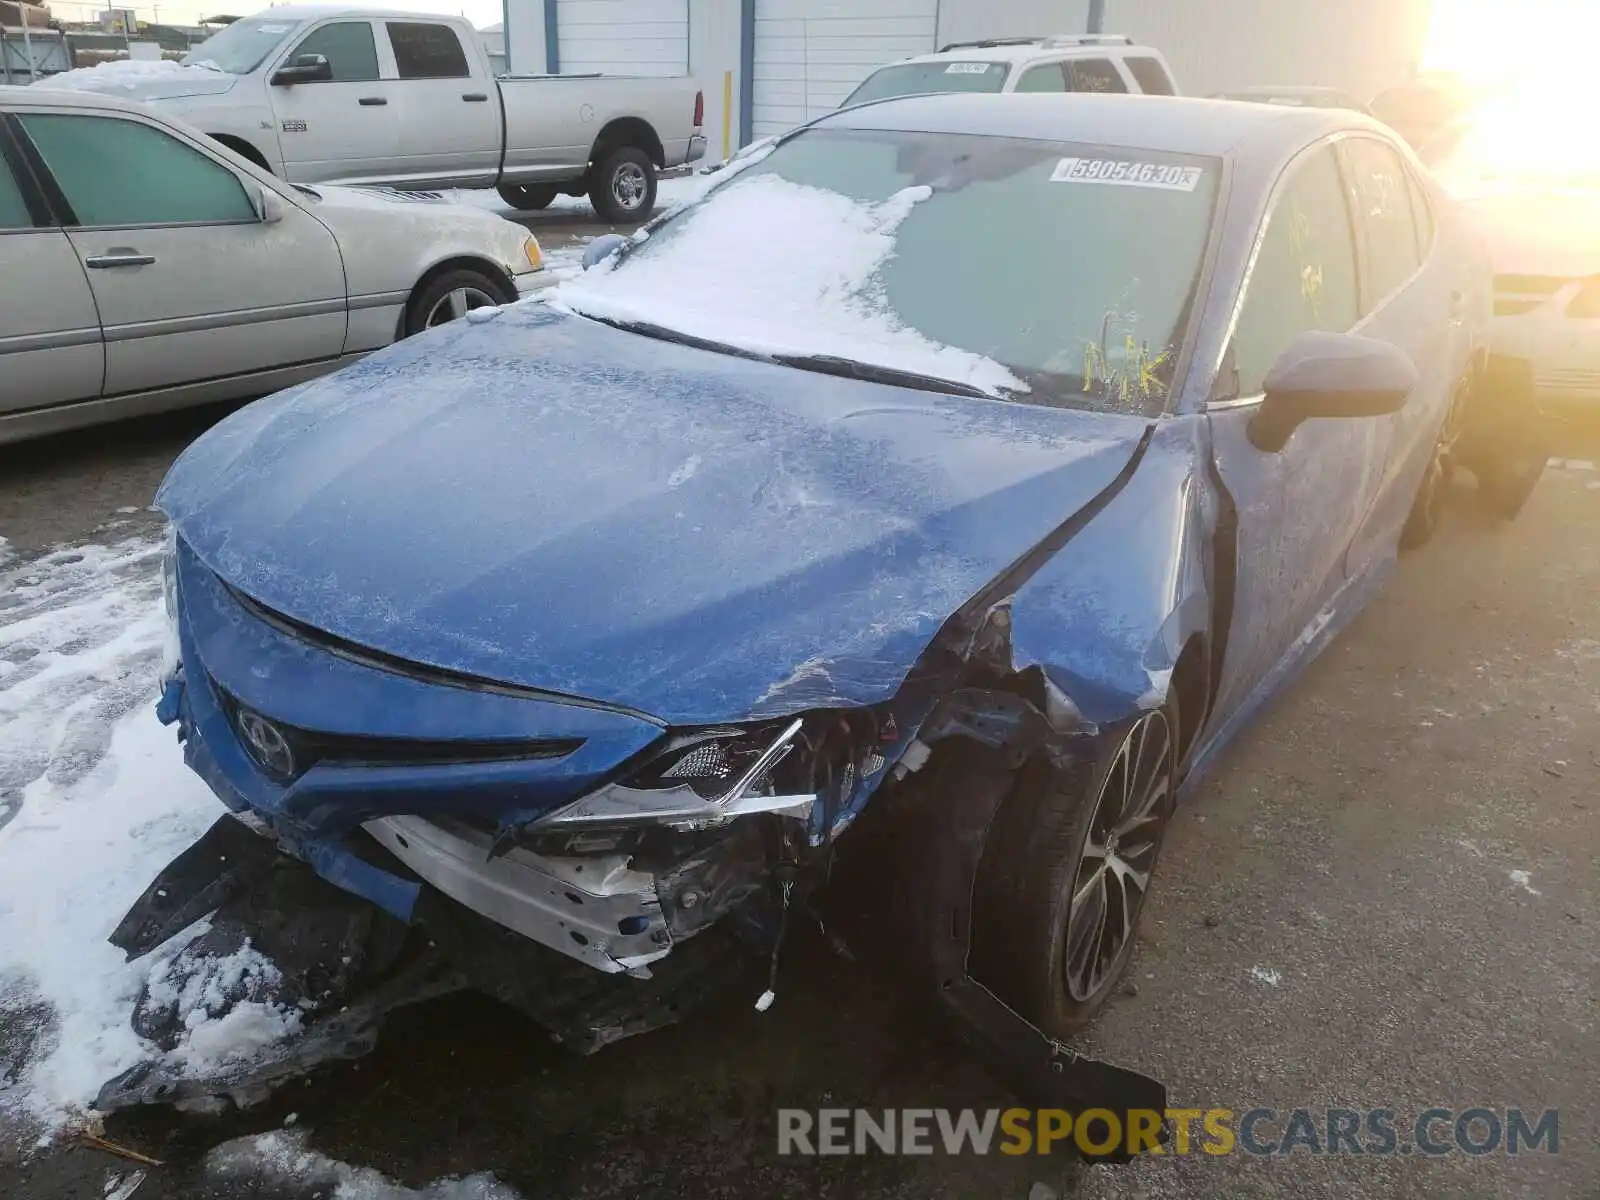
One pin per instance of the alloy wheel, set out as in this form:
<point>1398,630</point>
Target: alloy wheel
<point>457,303</point>
<point>1119,852</point>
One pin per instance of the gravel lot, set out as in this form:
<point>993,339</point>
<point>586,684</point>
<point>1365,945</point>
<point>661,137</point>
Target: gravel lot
<point>1385,896</point>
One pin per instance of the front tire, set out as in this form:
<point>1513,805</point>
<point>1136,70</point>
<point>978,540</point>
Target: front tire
<point>527,197</point>
<point>1065,874</point>
<point>623,186</point>
<point>452,295</point>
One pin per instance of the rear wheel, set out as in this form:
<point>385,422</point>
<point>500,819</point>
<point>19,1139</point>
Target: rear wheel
<point>527,197</point>
<point>1423,520</point>
<point>623,186</point>
<point>452,296</point>
<point>1065,874</point>
<point>1506,440</point>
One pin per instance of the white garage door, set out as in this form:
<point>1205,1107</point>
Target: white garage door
<point>623,37</point>
<point>811,54</point>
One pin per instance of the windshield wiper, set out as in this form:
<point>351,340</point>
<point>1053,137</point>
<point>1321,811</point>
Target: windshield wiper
<point>302,188</point>
<point>662,333</point>
<point>849,368</point>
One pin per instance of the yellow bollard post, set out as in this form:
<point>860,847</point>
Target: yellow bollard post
<point>727,114</point>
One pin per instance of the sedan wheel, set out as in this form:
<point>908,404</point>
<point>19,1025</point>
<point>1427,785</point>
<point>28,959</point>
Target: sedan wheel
<point>1066,869</point>
<point>457,303</point>
<point>452,296</point>
<point>1114,869</point>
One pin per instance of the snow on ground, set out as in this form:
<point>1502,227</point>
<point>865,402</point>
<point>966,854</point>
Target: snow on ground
<point>282,1159</point>
<point>121,73</point>
<point>94,800</point>
<point>723,275</point>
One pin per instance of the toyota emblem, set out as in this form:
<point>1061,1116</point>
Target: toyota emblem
<point>266,744</point>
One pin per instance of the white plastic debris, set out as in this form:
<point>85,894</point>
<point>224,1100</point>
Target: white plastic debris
<point>765,1000</point>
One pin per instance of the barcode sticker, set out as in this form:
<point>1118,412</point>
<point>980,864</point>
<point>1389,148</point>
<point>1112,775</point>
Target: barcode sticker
<point>967,68</point>
<point>1127,174</point>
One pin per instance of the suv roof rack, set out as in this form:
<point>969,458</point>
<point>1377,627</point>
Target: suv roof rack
<point>1054,41</point>
<point>991,43</point>
<point>1089,39</point>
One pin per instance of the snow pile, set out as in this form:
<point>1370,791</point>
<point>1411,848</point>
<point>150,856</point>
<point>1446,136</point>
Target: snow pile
<point>781,268</point>
<point>94,800</point>
<point>282,1159</point>
<point>125,74</point>
<point>220,1027</point>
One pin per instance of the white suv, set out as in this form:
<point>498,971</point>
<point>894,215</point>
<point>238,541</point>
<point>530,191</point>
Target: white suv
<point>1104,62</point>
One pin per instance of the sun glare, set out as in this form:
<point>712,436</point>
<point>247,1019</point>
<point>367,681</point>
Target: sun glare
<point>1532,64</point>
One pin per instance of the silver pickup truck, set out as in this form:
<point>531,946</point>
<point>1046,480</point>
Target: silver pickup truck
<point>323,94</point>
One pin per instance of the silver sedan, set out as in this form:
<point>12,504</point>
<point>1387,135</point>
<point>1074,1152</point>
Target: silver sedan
<point>144,266</point>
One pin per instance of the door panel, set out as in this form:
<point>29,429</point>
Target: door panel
<point>1298,508</point>
<point>450,126</point>
<point>189,284</point>
<point>50,348</point>
<point>1406,300</point>
<point>348,128</point>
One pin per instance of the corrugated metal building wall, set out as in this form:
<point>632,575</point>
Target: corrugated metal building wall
<point>802,56</point>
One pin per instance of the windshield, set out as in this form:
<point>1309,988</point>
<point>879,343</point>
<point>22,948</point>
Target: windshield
<point>1036,271</point>
<point>241,47</point>
<point>919,78</point>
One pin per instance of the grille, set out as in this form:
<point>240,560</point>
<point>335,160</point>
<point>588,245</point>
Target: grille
<point>1573,379</point>
<point>309,748</point>
<point>705,762</point>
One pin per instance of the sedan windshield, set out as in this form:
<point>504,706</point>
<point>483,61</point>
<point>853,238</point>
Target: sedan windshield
<point>241,47</point>
<point>920,78</point>
<point>1037,271</point>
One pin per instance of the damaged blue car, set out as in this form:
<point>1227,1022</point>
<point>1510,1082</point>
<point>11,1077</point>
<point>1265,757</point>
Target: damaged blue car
<point>934,498</point>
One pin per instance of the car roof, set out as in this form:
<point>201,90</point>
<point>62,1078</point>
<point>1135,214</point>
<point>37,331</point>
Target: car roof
<point>23,96</point>
<point>315,12</point>
<point>1173,124</point>
<point>1019,52</point>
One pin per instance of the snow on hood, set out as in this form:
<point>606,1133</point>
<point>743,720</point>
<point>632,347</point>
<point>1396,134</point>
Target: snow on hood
<point>161,80</point>
<point>777,267</point>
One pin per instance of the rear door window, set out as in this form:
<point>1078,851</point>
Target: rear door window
<point>1151,76</point>
<point>1386,228</point>
<point>425,51</point>
<point>349,47</point>
<point>1094,75</point>
<point>1046,78</point>
<point>1304,277</point>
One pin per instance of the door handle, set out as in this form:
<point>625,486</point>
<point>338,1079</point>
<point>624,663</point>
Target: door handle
<point>372,101</point>
<point>475,97</point>
<point>119,256</point>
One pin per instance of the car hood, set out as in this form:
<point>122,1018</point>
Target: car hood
<point>544,501</point>
<point>176,84</point>
<point>1537,232</point>
<point>381,218</point>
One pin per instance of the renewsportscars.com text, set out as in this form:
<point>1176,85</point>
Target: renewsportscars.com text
<point>1381,1132</point>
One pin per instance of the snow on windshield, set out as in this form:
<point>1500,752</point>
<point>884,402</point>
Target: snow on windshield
<point>776,267</point>
<point>124,74</point>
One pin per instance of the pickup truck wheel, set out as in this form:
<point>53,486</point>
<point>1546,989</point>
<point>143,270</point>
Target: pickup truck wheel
<point>452,296</point>
<point>1065,872</point>
<point>527,197</point>
<point>623,186</point>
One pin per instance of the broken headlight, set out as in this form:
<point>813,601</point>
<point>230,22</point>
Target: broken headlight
<point>709,777</point>
<point>700,780</point>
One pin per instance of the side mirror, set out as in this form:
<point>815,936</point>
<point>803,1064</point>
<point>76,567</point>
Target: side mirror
<point>306,68</point>
<point>1330,375</point>
<point>602,248</point>
<point>269,206</point>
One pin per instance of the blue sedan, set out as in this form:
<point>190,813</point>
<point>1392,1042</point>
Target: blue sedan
<point>935,497</point>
